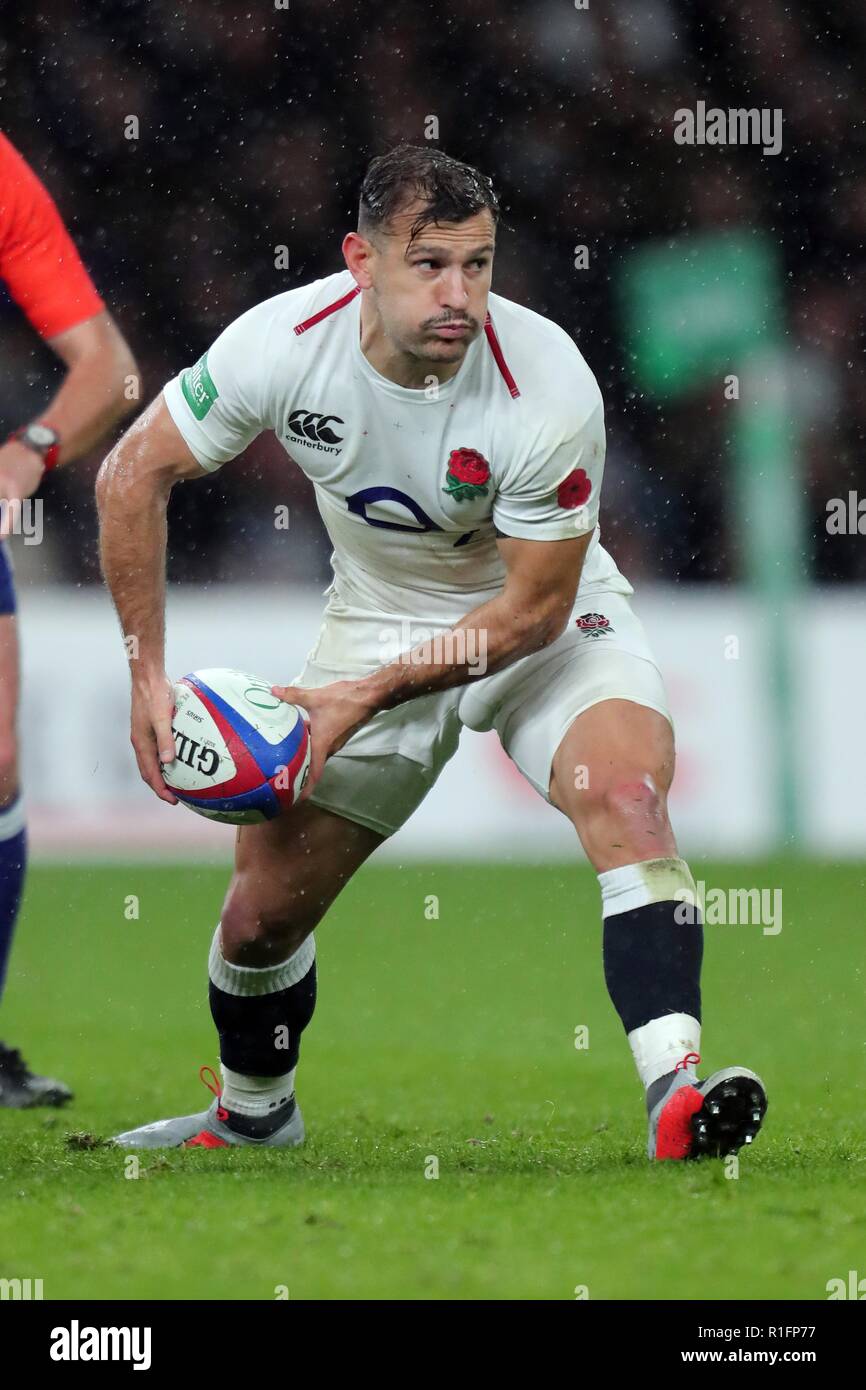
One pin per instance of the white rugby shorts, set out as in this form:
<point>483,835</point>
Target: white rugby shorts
<point>384,771</point>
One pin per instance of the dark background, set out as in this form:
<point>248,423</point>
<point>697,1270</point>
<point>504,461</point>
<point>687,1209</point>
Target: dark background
<point>256,125</point>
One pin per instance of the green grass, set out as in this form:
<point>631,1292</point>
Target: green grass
<point>451,1038</point>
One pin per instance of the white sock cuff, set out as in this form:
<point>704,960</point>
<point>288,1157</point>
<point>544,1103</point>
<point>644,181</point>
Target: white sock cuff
<point>12,818</point>
<point>659,1045</point>
<point>637,885</point>
<point>258,1084</point>
<point>255,1095</point>
<point>250,980</point>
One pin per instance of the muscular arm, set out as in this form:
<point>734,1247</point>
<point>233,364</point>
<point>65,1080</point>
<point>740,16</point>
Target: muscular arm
<point>530,613</point>
<point>132,492</point>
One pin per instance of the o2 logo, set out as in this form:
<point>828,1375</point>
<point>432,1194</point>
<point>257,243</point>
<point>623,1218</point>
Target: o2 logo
<point>358,501</point>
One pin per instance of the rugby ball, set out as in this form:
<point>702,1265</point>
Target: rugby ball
<point>241,754</point>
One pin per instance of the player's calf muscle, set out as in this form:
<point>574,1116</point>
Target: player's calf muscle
<point>287,875</point>
<point>260,933</point>
<point>270,909</point>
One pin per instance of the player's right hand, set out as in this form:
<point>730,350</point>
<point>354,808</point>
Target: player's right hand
<point>334,712</point>
<point>151,735</point>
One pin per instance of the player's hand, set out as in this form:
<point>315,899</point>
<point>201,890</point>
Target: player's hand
<point>335,711</point>
<point>21,473</point>
<point>151,735</point>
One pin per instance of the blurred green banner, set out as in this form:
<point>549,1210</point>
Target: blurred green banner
<point>697,306</point>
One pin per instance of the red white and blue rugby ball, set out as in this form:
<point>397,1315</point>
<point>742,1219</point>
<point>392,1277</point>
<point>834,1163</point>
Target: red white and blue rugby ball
<point>241,754</point>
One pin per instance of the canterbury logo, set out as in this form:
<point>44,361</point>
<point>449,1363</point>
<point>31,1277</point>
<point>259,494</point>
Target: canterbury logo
<point>314,426</point>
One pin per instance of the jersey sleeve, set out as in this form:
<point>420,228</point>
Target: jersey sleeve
<point>38,260</point>
<point>552,492</point>
<point>220,405</point>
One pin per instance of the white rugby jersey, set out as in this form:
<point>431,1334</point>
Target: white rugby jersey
<point>411,484</point>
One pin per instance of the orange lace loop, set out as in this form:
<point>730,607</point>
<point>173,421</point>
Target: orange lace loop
<point>215,1087</point>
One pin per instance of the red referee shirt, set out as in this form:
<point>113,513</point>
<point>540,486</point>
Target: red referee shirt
<point>38,259</point>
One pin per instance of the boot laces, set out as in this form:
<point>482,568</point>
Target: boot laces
<point>214,1085</point>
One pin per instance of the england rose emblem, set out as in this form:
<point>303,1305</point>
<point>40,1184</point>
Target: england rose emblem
<point>574,490</point>
<point>593,624</point>
<point>467,476</point>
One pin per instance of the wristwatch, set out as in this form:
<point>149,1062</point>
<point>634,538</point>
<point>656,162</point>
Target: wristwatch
<point>42,439</point>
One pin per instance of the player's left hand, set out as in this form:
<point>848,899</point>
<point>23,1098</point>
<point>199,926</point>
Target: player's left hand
<point>335,711</point>
<point>21,473</point>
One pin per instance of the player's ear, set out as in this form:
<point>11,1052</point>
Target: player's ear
<point>358,253</point>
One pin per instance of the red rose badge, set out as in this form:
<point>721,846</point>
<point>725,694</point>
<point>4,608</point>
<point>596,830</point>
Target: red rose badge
<point>594,624</point>
<point>467,476</point>
<point>574,490</point>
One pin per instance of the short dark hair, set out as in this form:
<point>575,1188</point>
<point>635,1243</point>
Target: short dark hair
<point>449,190</point>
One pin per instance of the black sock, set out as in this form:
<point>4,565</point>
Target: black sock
<point>260,1034</point>
<point>652,963</point>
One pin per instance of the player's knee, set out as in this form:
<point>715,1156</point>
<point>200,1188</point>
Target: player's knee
<point>622,820</point>
<point>633,800</point>
<point>626,806</point>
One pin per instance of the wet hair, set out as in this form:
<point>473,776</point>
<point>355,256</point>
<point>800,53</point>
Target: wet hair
<point>449,191</point>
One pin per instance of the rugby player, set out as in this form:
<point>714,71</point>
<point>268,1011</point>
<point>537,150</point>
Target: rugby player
<point>455,441</point>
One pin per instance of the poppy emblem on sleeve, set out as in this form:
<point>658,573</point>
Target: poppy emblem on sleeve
<point>467,476</point>
<point>574,490</point>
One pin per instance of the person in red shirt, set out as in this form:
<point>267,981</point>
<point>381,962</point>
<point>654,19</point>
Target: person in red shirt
<point>45,276</point>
